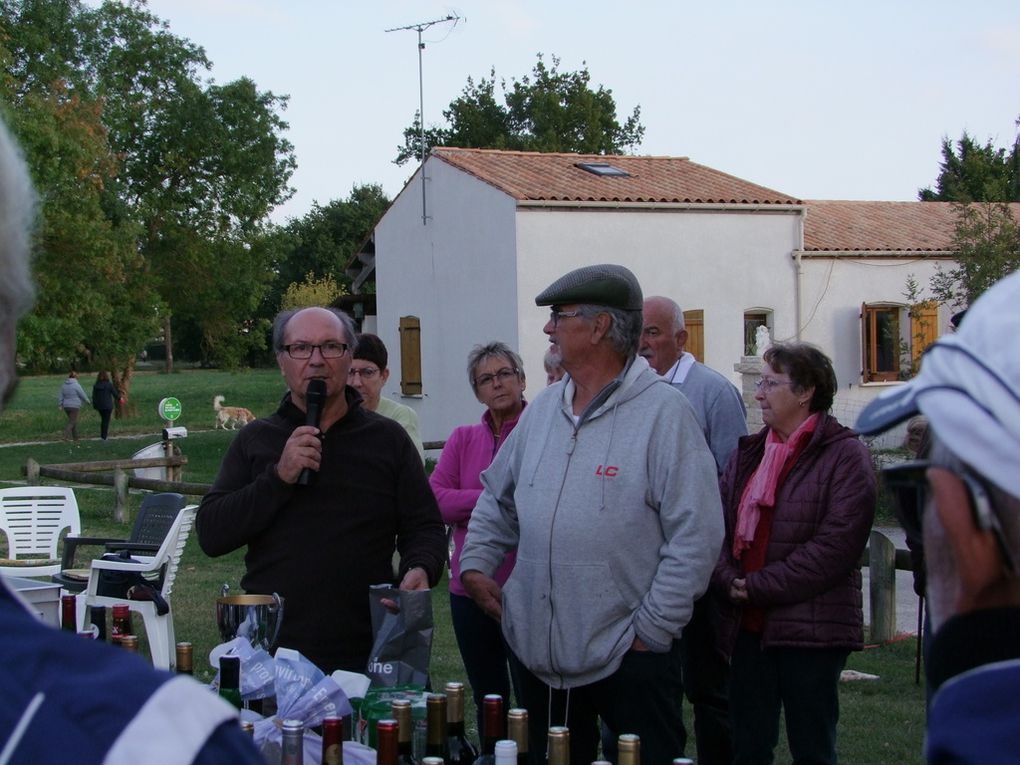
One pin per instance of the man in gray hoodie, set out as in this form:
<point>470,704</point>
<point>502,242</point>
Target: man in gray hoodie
<point>608,492</point>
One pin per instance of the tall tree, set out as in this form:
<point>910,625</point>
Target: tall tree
<point>548,111</point>
<point>320,244</point>
<point>198,165</point>
<point>987,244</point>
<point>972,172</point>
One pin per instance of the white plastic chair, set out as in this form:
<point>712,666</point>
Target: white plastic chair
<point>33,518</point>
<point>158,628</point>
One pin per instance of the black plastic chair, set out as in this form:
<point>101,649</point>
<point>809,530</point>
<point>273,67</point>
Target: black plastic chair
<point>155,517</point>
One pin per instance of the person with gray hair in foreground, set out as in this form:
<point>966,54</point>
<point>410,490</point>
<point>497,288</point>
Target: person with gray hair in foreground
<point>967,509</point>
<point>66,698</point>
<point>608,492</point>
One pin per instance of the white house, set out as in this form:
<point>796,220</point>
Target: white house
<point>476,234</point>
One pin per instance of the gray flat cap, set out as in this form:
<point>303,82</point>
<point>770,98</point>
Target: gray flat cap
<point>605,284</point>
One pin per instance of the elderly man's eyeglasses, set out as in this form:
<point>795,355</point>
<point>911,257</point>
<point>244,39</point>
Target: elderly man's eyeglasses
<point>555,315</point>
<point>366,373</point>
<point>503,375</point>
<point>769,384</point>
<point>302,351</point>
<point>907,482</point>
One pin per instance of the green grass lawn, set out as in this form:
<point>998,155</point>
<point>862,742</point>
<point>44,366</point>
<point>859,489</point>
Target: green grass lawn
<point>882,721</point>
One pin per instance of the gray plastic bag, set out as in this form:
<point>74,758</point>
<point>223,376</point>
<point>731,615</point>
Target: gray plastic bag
<point>402,644</point>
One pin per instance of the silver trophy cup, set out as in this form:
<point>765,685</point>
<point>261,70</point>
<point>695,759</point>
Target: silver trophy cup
<point>255,617</point>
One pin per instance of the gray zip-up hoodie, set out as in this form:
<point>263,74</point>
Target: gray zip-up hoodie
<point>616,520</point>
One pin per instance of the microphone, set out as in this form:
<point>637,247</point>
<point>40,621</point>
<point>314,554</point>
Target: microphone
<point>315,397</point>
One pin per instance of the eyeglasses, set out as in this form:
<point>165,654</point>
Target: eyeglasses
<point>908,484</point>
<point>503,375</point>
<point>768,384</point>
<point>555,315</point>
<point>366,373</point>
<point>303,351</point>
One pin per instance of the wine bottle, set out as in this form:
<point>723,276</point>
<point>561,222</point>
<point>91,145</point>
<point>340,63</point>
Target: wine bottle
<point>492,728</point>
<point>628,747</point>
<point>121,624</point>
<point>559,746</point>
<point>506,752</point>
<point>517,729</point>
<point>332,741</point>
<point>230,680</point>
<point>461,750</point>
<point>97,616</point>
<point>387,732</point>
<point>435,728</point>
<point>184,664</point>
<point>293,742</point>
<point>69,612</point>
<point>405,729</point>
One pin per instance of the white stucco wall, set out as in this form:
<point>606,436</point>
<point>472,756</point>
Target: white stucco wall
<point>720,262</point>
<point>457,274</point>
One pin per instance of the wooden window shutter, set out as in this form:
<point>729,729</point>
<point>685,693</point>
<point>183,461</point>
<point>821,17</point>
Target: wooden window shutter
<point>865,361</point>
<point>924,330</point>
<point>695,322</point>
<point>410,355</point>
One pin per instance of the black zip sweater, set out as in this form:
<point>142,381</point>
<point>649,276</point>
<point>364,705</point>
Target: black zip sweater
<point>321,546</point>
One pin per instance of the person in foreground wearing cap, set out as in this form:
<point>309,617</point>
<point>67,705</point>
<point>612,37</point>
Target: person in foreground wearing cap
<point>67,698</point>
<point>608,492</point>
<point>969,389</point>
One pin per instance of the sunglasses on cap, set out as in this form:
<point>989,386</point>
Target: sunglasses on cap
<point>907,482</point>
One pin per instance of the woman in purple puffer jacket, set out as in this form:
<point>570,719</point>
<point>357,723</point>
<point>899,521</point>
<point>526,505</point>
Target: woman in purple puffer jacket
<point>799,500</point>
<point>496,375</point>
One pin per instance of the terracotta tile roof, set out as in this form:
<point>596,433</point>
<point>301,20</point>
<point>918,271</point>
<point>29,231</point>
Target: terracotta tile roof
<point>556,177</point>
<point>881,226</point>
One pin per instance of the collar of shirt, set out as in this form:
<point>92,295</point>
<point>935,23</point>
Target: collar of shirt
<point>678,372</point>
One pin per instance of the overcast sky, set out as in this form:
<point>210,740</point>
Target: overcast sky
<point>819,100</point>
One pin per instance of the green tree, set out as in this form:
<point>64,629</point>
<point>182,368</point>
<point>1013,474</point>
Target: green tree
<point>311,292</point>
<point>198,165</point>
<point>547,111</point>
<point>987,244</point>
<point>321,243</point>
<point>972,172</point>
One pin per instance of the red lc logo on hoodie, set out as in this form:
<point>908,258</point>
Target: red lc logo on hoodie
<point>608,471</point>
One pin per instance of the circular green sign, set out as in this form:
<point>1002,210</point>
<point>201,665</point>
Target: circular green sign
<point>170,408</point>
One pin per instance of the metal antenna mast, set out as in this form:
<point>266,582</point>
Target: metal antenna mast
<point>419,28</point>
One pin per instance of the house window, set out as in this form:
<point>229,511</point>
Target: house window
<point>604,169</point>
<point>894,337</point>
<point>754,318</point>
<point>694,322</point>
<point>410,355</point>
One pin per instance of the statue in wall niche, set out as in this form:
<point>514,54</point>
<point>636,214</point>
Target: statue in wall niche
<point>761,340</point>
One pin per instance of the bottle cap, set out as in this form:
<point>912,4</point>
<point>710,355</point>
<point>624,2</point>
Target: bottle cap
<point>230,672</point>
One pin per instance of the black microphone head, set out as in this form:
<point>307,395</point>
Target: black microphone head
<point>315,393</point>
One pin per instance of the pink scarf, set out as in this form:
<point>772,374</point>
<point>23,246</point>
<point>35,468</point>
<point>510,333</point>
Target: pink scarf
<point>761,489</point>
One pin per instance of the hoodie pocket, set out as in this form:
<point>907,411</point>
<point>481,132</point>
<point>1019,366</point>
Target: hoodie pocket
<point>571,623</point>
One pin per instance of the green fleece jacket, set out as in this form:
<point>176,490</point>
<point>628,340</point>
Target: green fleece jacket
<point>616,520</point>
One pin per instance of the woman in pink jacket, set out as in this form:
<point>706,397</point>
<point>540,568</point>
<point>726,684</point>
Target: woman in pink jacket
<point>496,375</point>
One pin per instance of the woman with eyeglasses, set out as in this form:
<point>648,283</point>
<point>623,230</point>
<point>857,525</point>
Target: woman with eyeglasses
<point>496,375</point>
<point>368,374</point>
<point>799,500</point>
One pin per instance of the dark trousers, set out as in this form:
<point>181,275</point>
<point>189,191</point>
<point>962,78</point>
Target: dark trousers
<point>71,429</point>
<point>804,682</point>
<point>104,422</point>
<point>483,650</point>
<point>706,683</point>
<point>641,697</point>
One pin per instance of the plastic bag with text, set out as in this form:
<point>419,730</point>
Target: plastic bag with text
<point>402,642</point>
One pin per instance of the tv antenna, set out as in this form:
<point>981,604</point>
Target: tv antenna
<point>420,27</point>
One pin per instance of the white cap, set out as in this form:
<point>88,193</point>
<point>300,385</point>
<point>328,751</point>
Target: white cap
<point>506,752</point>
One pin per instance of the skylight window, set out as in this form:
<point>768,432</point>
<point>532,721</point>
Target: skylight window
<point>603,169</point>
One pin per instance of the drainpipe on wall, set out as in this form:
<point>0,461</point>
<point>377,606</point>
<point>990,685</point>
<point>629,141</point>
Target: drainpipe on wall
<point>798,277</point>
